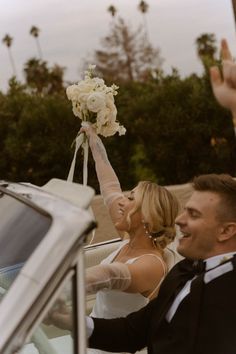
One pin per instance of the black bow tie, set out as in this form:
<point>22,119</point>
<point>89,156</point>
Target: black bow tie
<point>199,266</point>
<point>191,268</point>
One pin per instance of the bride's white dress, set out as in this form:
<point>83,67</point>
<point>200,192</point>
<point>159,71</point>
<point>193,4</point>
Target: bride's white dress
<point>116,303</point>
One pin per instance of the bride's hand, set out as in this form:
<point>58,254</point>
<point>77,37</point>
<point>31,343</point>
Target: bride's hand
<point>88,129</point>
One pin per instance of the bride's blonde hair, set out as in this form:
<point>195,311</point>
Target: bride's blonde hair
<point>159,208</point>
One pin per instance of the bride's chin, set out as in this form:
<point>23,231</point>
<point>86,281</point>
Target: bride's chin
<point>120,227</point>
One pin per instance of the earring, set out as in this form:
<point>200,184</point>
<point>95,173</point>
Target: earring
<point>145,226</point>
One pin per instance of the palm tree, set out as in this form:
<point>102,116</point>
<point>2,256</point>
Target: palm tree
<point>34,31</point>
<point>206,49</point>
<point>206,45</point>
<point>143,8</point>
<point>7,40</point>
<point>112,10</point>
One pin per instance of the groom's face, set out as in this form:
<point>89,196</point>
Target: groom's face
<point>200,226</point>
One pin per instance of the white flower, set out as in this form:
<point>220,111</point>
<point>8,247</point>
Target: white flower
<point>114,89</point>
<point>108,129</point>
<point>103,116</point>
<point>89,73</point>
<point>96,102</point>
<point>99,82</point>
<point>121,130</point>
<point>72,92</point>
<point>91,67</point>
<point>110,100</point>
<point>106,116</point>
<point>86,86</point>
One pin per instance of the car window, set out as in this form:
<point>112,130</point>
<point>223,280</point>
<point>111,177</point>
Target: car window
<point>48,337</point>
<point>21,229</point>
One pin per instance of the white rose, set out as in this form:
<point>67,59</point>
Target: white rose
<point>96,102</point>
<point>108,129</point>
<point>83,97</point>
<point>72,92</point>
<point>110,101</point>
<point>106,115</point>
<point>112,114</point>
<point>99,82</point>
<point>102,116</point>
<point>86,86</point>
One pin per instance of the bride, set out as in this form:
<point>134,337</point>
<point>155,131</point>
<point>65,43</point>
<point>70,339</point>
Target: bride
<point>131,276</point>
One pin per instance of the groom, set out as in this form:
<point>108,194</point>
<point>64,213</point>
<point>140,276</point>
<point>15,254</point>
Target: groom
<point>195,311</point>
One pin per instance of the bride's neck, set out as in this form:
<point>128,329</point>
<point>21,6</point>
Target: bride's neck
<point>140,242</point>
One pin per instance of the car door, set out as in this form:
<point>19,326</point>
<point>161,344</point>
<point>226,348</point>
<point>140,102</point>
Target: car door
<point>45,269</point>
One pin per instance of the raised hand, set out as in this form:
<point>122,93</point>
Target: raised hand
<point>224,86</point>
<point>88,129</point>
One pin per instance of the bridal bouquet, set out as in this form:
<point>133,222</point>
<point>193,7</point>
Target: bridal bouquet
<point>93,102</point>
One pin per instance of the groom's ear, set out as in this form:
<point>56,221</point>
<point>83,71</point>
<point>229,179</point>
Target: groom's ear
<point>227,232</point>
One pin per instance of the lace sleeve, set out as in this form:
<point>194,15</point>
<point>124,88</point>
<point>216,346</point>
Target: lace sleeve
<point>108,181</point>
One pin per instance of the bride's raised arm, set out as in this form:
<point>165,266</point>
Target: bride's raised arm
<point>108,181</point>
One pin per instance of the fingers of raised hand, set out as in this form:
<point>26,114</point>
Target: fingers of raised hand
<point>229,73</point>
<point>215,76</point>
<point>225,51</point>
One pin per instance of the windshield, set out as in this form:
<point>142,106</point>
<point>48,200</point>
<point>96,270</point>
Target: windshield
<point>21,229</point>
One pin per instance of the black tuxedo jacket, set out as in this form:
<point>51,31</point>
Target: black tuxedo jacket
<point>204,323</point>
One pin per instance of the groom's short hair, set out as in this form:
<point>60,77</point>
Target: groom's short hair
<point>225,186</point>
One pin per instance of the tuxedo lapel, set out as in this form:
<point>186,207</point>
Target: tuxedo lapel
<point>194,309</point>
<point>171,286</point>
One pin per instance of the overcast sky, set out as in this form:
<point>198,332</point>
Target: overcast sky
<point>72,29</point>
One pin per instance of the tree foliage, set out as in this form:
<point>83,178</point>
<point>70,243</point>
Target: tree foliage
<point>42,79</point>
<point>126,54</point>
<point>37,135</point>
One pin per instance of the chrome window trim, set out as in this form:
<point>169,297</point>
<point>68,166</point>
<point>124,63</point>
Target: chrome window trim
<point>103,243</point>
<point>81,305</point>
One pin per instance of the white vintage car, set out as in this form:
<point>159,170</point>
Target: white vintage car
<point>43,252</point>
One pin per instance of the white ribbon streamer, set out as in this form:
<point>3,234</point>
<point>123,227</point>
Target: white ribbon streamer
<point>82,140</point>
<point>78,142</point>
<point>85,164</point>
